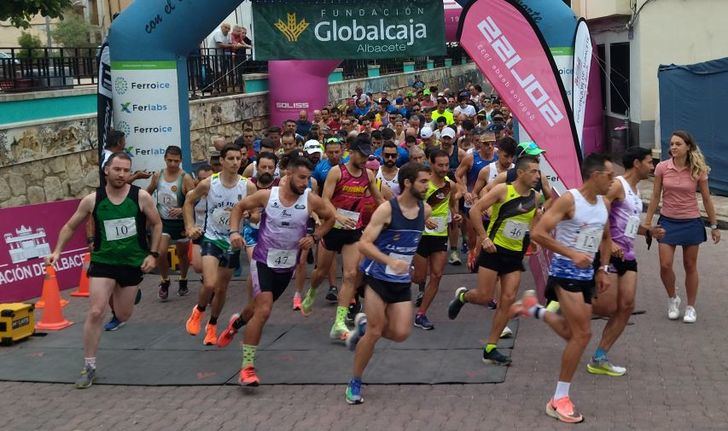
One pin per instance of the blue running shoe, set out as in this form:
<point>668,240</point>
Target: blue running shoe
<point>114,324</point>
<point>421,321</point>
<point>353,392</point>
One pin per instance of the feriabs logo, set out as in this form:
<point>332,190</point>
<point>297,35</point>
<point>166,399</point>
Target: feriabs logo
<point>378,29</point>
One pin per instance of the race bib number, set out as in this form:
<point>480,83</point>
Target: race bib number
<point>348,214</point>
<point>281,258</point>
<point>632,227</point>
<point>588,239</point>
<point>168,199</point>
<point>120,228</point>
<point>407,258</point>
<point>515,230</point>
<point>441,225</point>
<point>221,216</point>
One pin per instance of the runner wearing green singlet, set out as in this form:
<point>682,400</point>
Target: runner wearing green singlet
<point>442,195</point>
<point>503,246</point>
<point>121,214</point>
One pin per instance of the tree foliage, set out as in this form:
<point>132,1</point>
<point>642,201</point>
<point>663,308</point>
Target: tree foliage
<point>73,31</point>
<point>20,12</point>
<point>30,45</point>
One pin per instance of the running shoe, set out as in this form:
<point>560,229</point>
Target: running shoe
<point>506,333</point>
<point>193,323</point>
<point>183,290</point>
<point>605,368</point>
<point>163,292</point>
<point>673,308</point>
<point>114,324</point>
<point>453,309</point>
<point>421,321</point>
<point>496,358</point>
<point>454,258</point>
<point>229,333</point>
<point>690,315</point>
<point>353,392</point>
<point>210,335</point>
<point>360,327</point>
<point>418,299</point>
<point>339,332</point>
<point>307,303</point>
<point>248,376</point>
<point>524,304</point>
<point>563,410</point>
<point>492,304</point>
<point>138,297</point>
<point>351,312</point>
<point>296,301</point>
<point>88,375</point>
<point>333,294</point>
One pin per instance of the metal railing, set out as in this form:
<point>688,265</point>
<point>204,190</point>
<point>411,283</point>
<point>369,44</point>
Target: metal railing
<point>211,72</point>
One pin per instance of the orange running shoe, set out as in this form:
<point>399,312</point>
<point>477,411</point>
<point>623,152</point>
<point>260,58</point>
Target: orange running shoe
<point>248,376</point>
<point>229,333</point>
<point>522,306</point>
<point>193,323</point>
<point>563,410</point>
<point>296,302</point>
<point>210,335</point>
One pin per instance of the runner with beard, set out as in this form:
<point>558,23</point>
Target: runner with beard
<point>282,236</point>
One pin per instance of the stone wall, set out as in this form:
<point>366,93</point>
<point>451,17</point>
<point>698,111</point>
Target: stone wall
<point>51,160</point>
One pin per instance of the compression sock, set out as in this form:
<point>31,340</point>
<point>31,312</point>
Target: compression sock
<point>239,322</point>
<point>562,390</point>
<point>341,314</point>
<point>249,355</point>
<point>600,355</point>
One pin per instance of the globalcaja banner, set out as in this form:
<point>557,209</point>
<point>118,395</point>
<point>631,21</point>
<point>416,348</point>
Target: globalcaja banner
<point>146,106</point>
<point>582,67</point>
<point>348,29</point>
<point>509,49</point>
<point>29,235</point>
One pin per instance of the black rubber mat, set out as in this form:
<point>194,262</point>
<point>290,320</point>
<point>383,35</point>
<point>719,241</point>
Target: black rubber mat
<point>163,354</point>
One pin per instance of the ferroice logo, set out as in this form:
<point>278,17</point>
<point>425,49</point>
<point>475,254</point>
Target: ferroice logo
<point>533,88</point>
<point>293,28</point>
<point>120,85</point>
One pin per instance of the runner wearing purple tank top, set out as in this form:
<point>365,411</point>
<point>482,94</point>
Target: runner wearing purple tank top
<point>282,235</point>
<point>624,226</point>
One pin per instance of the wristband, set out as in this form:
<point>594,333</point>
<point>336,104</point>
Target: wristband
<point>154,254</point>
<point>234,231</point>
<point>713,227</point>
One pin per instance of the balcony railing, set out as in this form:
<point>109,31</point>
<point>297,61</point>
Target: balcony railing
<point>211,72</point>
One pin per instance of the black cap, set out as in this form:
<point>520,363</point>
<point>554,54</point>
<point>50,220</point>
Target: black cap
<point>362,145</point>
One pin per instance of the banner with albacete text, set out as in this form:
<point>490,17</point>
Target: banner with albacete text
<point>347,29</point>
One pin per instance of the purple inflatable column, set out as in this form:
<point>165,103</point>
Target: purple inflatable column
<point>297,84</point>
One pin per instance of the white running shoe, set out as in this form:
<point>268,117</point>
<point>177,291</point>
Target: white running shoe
<point>673,308</point>
<point>507,333</point>
<point>690,314</point>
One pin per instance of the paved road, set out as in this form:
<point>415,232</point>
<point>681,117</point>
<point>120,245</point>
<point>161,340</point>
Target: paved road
<point>678,380</point>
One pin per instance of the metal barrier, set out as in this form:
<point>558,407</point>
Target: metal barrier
<point>211,71</point>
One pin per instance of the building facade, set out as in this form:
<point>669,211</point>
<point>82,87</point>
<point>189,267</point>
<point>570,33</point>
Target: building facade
<point>633,38</point>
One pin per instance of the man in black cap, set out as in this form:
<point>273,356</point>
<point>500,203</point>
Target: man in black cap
<point>345,187</point>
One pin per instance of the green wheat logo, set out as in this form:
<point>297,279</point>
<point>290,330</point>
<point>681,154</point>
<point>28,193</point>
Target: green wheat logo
<point>293,28</point>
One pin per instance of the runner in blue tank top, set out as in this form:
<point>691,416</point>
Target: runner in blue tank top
<point>388,244</point>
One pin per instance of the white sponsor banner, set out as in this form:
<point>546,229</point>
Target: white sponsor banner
<point>582,65</point>
<point>146,109</point>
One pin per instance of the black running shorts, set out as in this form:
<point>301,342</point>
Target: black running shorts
<point>336,239</point>
<point>124,275</point>
<point>430,244</point>
<point>390,293</point>
<point>586,287</point>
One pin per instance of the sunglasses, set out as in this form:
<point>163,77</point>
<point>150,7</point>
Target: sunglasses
<point>390,155</point>
<point>333,141</point>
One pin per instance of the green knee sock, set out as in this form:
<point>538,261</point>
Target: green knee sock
<point>249,355</point>
<point>341,314</point>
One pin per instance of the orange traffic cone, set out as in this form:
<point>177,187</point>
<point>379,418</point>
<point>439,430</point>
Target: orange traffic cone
<point>83,281</point>
<point>52,318</point>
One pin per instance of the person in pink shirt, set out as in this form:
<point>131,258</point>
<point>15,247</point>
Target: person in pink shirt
<point>676,181</point>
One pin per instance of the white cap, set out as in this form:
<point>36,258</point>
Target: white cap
<point>312,146</point>
<point>449,132</point>
<point>426,133</point>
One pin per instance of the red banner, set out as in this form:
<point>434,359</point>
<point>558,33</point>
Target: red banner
<point>511,52</point>
<point>29,234</point>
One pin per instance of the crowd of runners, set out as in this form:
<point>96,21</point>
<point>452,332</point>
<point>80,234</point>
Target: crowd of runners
<point>400,190</point>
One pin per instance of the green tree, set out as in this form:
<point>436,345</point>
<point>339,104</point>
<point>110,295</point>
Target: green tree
<point>30,45</point>
<point>19,12</point>
<point>73,31</point>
